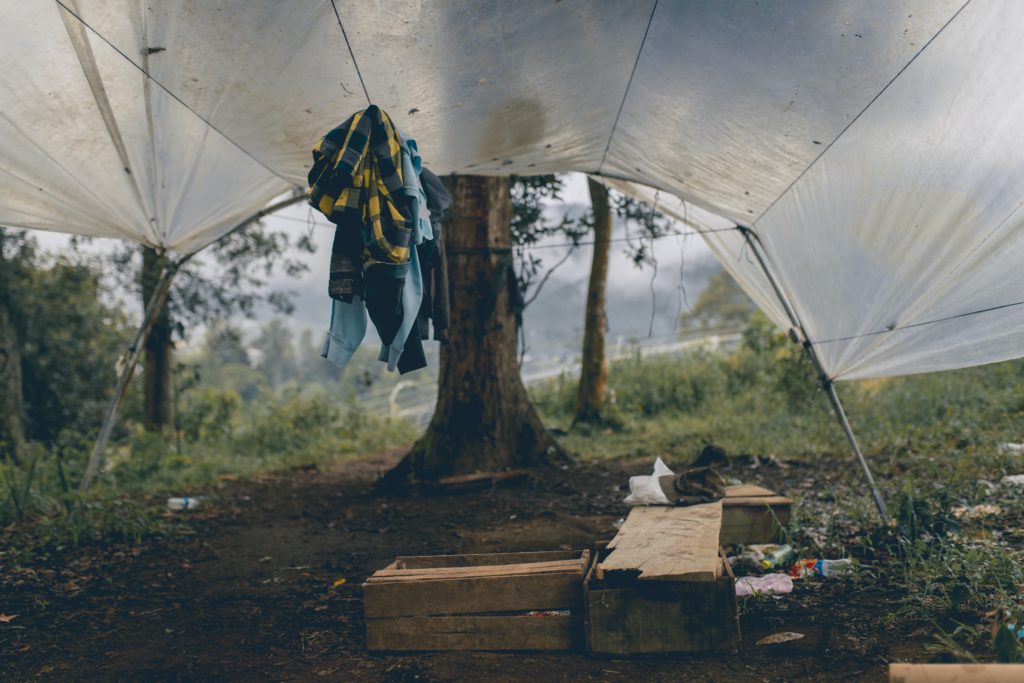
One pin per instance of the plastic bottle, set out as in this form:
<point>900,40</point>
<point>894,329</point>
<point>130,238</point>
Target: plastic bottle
<point>834,567</point>
<point>778,558</point>
<point>185,503</point>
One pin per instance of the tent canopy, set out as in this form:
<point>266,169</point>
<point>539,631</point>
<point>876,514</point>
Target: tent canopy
<point>872,146</point>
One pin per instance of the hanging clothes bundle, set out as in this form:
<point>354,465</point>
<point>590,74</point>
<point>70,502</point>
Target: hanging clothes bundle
<point>368,179</point>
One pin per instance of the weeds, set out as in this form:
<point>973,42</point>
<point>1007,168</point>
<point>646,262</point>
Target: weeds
<point>42,509</point>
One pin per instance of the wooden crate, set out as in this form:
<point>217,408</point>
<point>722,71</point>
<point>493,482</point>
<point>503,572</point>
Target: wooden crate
<point>753,514</point>
<point>634,617</point>
<point>477,602</point>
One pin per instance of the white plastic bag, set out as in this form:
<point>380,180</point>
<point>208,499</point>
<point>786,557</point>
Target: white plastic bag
<point>647,490</point>
<point>769,584</point>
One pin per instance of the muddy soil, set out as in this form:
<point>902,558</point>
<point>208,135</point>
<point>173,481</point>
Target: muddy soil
<point>253,591</point>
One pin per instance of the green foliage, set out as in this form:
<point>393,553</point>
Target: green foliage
<point>209,412</point>
<point>722,303</point>
<point>70,336</point>
<point>140,472</point>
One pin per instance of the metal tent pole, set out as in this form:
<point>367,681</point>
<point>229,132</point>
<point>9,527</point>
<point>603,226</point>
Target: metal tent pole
<point>153,308</point>
<point>799,334</point>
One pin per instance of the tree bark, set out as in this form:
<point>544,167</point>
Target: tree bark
<point>594,366</point>
<point>12,411</point>
<point>483,420</point>
<point>158,376</point>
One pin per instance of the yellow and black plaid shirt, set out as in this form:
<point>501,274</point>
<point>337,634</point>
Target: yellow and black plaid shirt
<point>356,180</point>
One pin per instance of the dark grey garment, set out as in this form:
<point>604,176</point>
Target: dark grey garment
<point>433,262</point>
<point>694,486</point>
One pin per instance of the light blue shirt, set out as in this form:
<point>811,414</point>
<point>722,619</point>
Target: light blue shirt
<point>348,320</point>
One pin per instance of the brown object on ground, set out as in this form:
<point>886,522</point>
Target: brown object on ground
<point>668,544</point>
<point>481,480</point>
<point>476,602</point>
<point>593,364</point>
<point>630,617</point>
<point>753,514</point>
<point>483,420</point>
<point>956,673</point>
<point>780,638</point>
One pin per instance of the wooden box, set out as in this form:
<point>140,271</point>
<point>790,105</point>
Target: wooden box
<point>494,601</point>
<point>753,514</point>
<point>633,617</point>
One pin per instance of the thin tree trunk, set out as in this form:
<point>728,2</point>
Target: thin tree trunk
<point>12,411</point>
<point>594,365</point>
<point>158,378</point>
<point>483,420</point>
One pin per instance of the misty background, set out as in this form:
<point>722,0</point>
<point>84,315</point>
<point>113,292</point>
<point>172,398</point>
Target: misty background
<point>641,302</point>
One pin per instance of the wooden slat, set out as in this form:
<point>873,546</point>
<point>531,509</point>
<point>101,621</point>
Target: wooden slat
<point>747,490</point>
<point>556,632</point>
<point>663,617</point>
<point>438,573</point>
<point>757,501</point>
<point>481,559</point>
<point>472,595</point>
<point>481,479</point>
<point>956,673</point>
<point>668,543</point>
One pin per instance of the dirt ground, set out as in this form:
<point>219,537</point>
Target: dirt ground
<point>250,595</point>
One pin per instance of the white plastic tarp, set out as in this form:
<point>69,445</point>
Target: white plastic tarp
<point>873,146</point>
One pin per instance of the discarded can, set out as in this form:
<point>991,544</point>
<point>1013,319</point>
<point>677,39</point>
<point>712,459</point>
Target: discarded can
<point>778,558</point>
<point>185,503</point>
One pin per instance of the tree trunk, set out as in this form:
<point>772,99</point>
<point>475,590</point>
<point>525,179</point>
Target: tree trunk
<point>12,412</point>
<point>594,366</point>
<point>483,420</point>
<point>158,377</point>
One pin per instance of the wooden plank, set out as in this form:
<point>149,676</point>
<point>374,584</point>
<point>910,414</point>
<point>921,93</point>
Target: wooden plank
<point>662,617</point>
<point>757,501</point>
<point>470,482</point>
<point>746,491</point>
<point>956,673</point>
<point>439,573</point>
<point>481,559</point>
<point>472,595</point>
<point>555,632</point>
<point>668,543</point>
<point>758,523</point>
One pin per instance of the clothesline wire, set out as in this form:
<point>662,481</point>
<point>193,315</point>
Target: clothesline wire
<point>909,326</point>
<point>351,53</point>
<point>582,243</point>
<point>167,90</point>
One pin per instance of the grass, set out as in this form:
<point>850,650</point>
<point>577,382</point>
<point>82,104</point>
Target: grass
<point>932,440</point>
<point>41,509</point>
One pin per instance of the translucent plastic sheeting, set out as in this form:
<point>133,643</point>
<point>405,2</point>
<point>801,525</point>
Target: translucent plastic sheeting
<point>241,91</point>
<point>872,145</point>
<point>901,247</point>
<point>727,243</point>
<point>913,215</point>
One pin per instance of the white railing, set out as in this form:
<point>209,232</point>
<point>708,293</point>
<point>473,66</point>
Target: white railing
<point>414,401</point>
